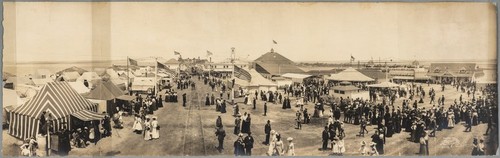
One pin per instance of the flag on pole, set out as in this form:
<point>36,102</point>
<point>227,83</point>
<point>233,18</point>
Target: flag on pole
<point>176,53</point>
<point>275,42</point>
<point>209,53</point>
<point>132,62</point>
<point>241,73</point>
<point>352,58</point>
<point>161,66</point>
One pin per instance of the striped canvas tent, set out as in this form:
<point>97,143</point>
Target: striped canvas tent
<point>87,115</point>
<point>55,98</point>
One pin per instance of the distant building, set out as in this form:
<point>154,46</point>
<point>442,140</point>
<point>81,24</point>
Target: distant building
<point>274,64</point>
<point>449,72</point>
<point>173,64</point>
<point>375,74</point>
<point>408,74</point>
<point>225,68</point>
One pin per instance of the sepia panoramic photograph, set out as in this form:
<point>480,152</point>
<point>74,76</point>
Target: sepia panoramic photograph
<point>249,79</point>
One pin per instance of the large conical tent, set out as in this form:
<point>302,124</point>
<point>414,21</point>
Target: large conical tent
<point>104,94</point>
<point>104,90</point>
<point>57,99</point>
<point>274,63</point>
<point>350,74</point>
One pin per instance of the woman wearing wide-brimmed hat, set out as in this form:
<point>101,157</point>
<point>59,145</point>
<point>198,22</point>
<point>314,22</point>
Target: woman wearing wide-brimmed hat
<point>155,128</point>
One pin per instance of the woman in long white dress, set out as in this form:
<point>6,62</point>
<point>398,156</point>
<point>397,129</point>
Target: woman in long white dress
<point>155,129</point>
<point>272,142</point>
<point>363,150</point>
<point>340,146</point>
<point>451,118</point>
<point>278,146</point>
<point>147,130</point>
<point>291,147</point>
<point>137,124</point>
<point>373,151</point>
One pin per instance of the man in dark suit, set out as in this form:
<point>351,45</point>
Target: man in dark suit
<point>254,102</point>
<point>325,137</point>
<point>267,130</point>
<point>220,133</point>
<point>248,144</point>
<point>184,99</point>
<point>265,109</point>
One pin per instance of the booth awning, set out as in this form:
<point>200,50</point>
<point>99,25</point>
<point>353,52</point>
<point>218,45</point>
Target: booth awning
<point>126,97</point>
<point>86,115</point>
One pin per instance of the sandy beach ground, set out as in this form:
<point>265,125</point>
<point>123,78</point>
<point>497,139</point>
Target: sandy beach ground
<point>190,131</point>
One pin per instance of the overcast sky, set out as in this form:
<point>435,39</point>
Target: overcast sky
<point>304,31</point>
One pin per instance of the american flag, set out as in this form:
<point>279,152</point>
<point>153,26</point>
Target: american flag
<point>242,74</point>
<point>177,53</point>
<point>132,62</point>
<point>161,66</point>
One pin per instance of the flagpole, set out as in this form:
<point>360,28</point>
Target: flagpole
<point>156,76</point>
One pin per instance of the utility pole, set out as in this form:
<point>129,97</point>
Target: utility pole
<point>128,77</point>
<point>232,73</point>
<point>156,76</point>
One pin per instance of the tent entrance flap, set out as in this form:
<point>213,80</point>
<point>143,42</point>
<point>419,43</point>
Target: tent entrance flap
<point>86,115</point>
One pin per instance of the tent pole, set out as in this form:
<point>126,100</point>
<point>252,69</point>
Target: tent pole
<point>128,78</point>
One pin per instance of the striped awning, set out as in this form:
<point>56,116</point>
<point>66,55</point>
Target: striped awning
<point>86,115</point>
<point>57,98</point>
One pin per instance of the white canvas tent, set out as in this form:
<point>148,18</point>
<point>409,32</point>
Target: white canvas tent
<point>11,98</point>
<point>42,73</point>
<point>70,76</point>
<point>91,78</point>
<point>112,73</point>
<point>350,74</point>
<point>79,87</point>
<point>259,82</point>
<point>143,83</point>
<point>27,91</point>
<point>42,82</point>
<point>298,78</point>
<point>10,101</point>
